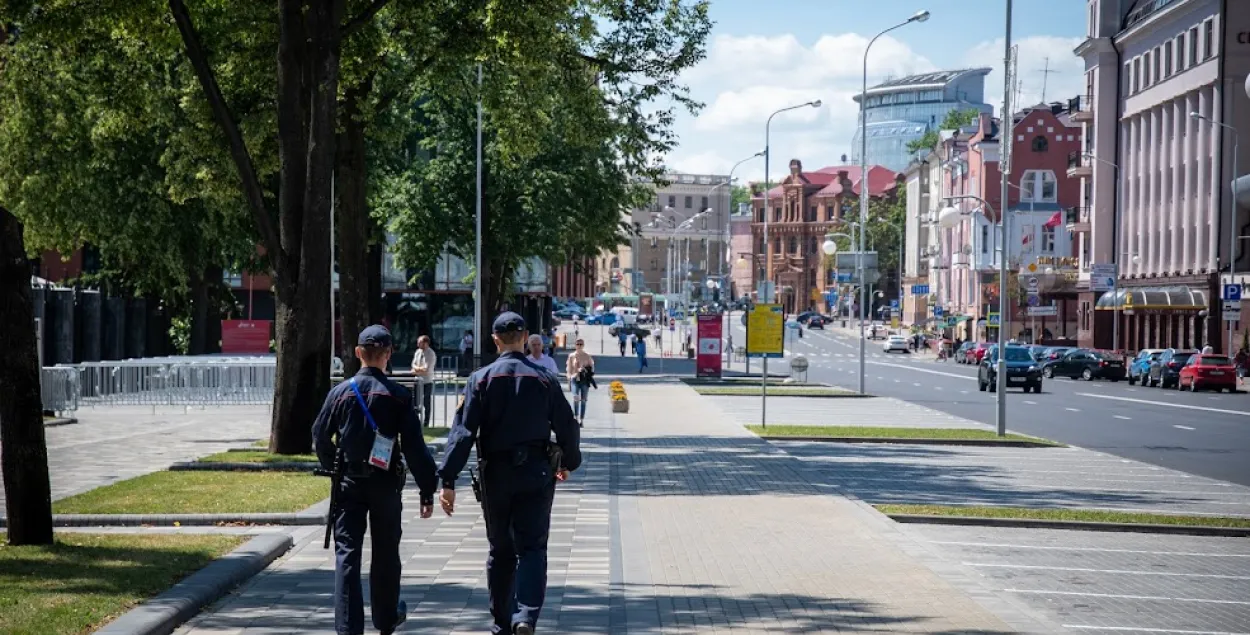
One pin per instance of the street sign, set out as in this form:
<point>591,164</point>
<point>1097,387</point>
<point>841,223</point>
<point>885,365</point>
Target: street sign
<point>764,331</point>
<point>1043,311</point>
<point>920,289</point>
<point>1032,284</point>
<point>951,321</point>
<point>1232,293</point>
<point>992,319</point>
<point>937,311</point>
<point>1232,309</point>
<point>893,304</point>
<point>845,276</point>
<point>1102,277</point>
<point>1034,300</point>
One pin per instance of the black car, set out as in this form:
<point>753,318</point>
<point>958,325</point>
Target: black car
<point>1022,370</point>
<point>1085,364</point>
<point>1165,372</point>
<point>817,322</point>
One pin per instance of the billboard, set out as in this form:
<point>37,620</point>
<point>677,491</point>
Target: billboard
<point>708,358</point>
<point>764,330</point>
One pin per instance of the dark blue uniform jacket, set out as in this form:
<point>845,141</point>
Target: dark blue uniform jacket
<point>391,407</point>
<point>509,404</point>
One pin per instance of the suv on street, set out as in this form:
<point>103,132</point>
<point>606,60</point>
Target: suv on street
<point>1165,372</point>
<point>1022,370</point>
<point>1139,368</point>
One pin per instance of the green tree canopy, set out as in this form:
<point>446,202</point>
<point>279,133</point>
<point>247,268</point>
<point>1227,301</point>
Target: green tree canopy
<point>953,120</point>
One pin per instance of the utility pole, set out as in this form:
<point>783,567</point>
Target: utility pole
<point>1046,72</point>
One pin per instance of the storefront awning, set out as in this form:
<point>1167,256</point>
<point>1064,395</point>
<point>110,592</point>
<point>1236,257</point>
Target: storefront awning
<point>1153,298</point>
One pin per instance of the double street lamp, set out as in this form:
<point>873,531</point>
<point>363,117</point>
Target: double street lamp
<point>1232,208</point>
<point>948,218</point>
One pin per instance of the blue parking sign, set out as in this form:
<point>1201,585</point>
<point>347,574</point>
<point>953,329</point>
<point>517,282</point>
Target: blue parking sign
<point>1232,293</point>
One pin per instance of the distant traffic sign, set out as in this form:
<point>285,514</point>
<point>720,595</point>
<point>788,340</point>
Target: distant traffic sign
<point>1102,277</point>
<point>1232,293</point>
<point>1034,300</point>
<point>1043,311</point>
<point>937,311</point>
<point>992,319</point>
<point>893,304</point>
<point>920,289</point>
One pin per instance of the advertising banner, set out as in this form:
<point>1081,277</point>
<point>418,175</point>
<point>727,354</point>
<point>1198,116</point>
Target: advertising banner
<point>646,305</point>
<point>764,331</point>
<point>245,336</point>
<point>708,358</point>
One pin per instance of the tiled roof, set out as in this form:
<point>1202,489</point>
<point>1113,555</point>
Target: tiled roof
<point>825,181</point>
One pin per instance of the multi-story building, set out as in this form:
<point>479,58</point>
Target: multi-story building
<point>805,207</point>
<point>1164,101</point>
<point>741,252</point>
<point>963,262</point>
<point>666,257</point>
<point>902,110</point>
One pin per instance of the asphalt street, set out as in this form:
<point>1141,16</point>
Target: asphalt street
<point>1205,433</point>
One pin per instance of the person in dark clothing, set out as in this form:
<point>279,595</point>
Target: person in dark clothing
<point>510,409</point>
<point>368,427</point>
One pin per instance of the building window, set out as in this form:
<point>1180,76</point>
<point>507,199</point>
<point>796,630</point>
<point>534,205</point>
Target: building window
<point>654,264</point>
<point>985,239</point>
<point>1048,240</point>
<point>1040,144</point>
<point>777,246</point>
<point>1136,81</point>
<point>672,200</point>
<point>655,242</point>
<point>704,203</point>
<point>777,214</point>
<point>1167,59</point>
<point>1037,186</point>
<point>794,245</point>
<point>1208,40</point>
<point>1128,78</point>
<point>1193,46</point>
<point>761,247</point>
<point>811,212</point>
<point>689,201</point>
<point>1157,76</point>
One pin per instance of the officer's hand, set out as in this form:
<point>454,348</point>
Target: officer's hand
<point>448,500</point>
<point>562,475</point>
<point>427,510</point>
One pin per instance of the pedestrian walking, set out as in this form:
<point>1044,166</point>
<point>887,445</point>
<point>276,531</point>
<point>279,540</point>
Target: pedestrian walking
<point>1208,349</point>
<point>362,424</point>
<point>509,410</point>
<point>423,363</point>
<point>624,339</point>
<point>540,358</point>
<point>640,347</point>
<point>580,370</point>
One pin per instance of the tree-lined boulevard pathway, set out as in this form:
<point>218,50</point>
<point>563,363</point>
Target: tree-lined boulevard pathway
<point>680,522</point>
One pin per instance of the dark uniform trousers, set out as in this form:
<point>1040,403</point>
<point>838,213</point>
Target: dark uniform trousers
<point>378,498</point>
<point>517,492</point>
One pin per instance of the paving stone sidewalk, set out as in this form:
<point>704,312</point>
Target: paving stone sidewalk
<point>680,522</point>
<point>119,442</point>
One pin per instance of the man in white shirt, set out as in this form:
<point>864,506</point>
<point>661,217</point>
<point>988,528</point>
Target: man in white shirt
<point>536,355</point>
<point>423,363</point>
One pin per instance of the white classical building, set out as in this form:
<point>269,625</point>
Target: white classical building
<point>1165,99</point>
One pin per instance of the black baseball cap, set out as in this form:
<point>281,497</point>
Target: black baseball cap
<point>508,322</point>
<point>376,336</point>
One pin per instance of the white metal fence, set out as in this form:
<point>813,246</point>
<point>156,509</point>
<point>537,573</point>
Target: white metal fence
<point>59,389</point>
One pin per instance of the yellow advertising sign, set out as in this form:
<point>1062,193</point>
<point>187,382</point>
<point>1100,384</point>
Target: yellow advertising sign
<point>894,323</point>
<point>765,330</point>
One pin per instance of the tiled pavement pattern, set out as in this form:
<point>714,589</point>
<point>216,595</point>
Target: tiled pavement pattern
<point>1091,582</point>
<point>840,411</point>
<point>1016,477</point>
<point>115,443</point>
<point>680,522</point>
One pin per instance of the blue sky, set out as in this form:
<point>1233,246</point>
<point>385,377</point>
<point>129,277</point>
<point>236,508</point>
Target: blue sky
<point>767,54</point>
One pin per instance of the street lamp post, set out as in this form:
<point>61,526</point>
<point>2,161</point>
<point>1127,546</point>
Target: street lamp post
<point>948,218</point>
<point>728,212</point>
<point>767,261</point>
<point>1232,213</point>
<point>864,190</point>
<point>1115,252</point>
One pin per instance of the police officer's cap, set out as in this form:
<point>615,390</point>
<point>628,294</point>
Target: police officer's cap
<point>508,322</point>
<point>375,336</point>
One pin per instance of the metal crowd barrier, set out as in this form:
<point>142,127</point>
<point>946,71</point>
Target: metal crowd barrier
<point>200,382</point>
<point>59,389</point>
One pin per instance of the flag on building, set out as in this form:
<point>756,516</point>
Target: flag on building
<point>1055,220</point>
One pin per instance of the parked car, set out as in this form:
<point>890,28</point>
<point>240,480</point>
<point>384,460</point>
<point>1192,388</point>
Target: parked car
<point>1202,372</point>
<point>602,318</point>
<point>1085,364</point>
<point>817,322</point>
<point>1022,369</point>
<point>568,313</point>
<point>1054,353</point>
<point>961,354</point>
<point>1165,372</point>
<point>805,316</point>
<point>1038,353</point>
<point>1139,368</point>
<point>976,352</point>
<point>896,343</point>
<point>878,332</point>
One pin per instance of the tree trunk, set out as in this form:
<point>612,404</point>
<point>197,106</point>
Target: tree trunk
<point>199,314</point>
<point>212,325</point>
<point>352,225</point>
<point>23,448</point>
<point>377,308</point>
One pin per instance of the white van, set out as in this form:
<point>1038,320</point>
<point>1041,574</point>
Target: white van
<point>628,315</point>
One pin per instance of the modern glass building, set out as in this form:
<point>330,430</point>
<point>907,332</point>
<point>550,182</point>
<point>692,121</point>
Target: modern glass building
<point>902,110</point>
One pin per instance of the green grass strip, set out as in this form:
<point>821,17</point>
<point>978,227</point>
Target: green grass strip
<point>201,492</point>
<point>85,580</point>
<point>1085,515</point>
<point>871,432</point>
<point>255,456</point>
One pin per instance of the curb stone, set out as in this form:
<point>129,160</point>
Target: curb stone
<point>1079,525</point>
<point>165,612</point>
<point>306,517</point>
<point>59,421</point>
<point>908,441</point>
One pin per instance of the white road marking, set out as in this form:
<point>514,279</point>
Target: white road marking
<point>1137,629</point>
<point>1041,567</point>
<point>1055,548</point>
<point>1182,427</point>
<point>1031,403</point>
<point>915,384</point>
<point>937,387</point>
<point>1164,403</point>
<point>1125,597</point>
<point>923,370</point>
<point>1072,409</point>
<point>963,392</point>
<point>1124,417</point>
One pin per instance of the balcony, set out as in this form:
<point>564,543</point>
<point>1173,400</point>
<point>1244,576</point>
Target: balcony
<point>1079,165</point>
<point>1082,108</point>
<point>1076,219</point>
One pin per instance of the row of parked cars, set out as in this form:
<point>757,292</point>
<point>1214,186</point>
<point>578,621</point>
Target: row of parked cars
<point>1165,368</point>
<point>1181,369</point>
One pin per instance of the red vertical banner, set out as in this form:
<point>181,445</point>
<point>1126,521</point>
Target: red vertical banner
<point>708,359</point>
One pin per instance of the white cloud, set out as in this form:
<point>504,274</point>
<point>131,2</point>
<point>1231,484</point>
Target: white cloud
<point>1034,55</point>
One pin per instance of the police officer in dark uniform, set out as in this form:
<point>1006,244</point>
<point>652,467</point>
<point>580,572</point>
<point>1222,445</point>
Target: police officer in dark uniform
<point>511,408</point>
<point>368,427</point>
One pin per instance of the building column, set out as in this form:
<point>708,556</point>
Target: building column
<point>1165,188</point>
<point>1132,175</point>
<point>1151,205</point>
<point>1188,154</point>
<point>1175,177</point>
<point>1217,151</point>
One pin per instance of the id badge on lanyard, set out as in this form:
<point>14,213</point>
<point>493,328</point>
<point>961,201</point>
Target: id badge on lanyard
<point>383,446</point>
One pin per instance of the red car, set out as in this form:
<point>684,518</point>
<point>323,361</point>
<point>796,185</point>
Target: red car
<point>973,355</point>
<point>1208,371</point>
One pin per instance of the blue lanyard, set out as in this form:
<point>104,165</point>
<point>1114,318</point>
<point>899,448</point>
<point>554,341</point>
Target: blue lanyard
<point>361,400</point>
